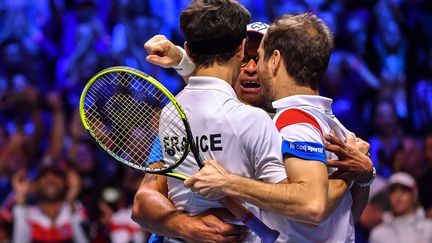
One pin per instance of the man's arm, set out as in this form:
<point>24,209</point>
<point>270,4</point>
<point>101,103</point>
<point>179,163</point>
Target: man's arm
<point>164,53</point>
<point>156,213</point>
<point>21,228</point>
<point>336,191</point>
<point>353,164</point>
<point>304,199</point>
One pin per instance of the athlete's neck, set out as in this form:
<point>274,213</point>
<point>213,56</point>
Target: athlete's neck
<point>290,89</point>
<point>224,72</point>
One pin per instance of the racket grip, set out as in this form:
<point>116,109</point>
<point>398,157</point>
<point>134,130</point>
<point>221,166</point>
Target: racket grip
<point>239,211</point>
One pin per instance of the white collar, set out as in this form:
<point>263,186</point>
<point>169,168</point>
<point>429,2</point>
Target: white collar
<point>296,100</point>
<point>206,82</point>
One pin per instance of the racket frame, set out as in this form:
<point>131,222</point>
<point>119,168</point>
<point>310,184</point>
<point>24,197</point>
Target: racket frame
<point>190,143</point>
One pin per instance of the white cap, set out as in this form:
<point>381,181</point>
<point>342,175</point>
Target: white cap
<point>257,29</point>
<point>402,178</point>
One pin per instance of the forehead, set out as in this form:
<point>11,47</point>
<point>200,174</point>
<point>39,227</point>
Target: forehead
<point>253,44</point>
<point>399,187</point>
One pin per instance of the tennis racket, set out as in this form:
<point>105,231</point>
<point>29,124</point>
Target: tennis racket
<point>141,124</point>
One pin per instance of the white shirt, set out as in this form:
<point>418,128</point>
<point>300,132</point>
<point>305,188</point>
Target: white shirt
<point>241,138</point>
<point>408,228</point>
<point>302,120</point>
<point>32,224</point>
<point>124,229</point>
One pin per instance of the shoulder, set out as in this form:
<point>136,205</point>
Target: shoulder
<point>379,231</point>
<point>246,115</point>
<point>428,222</point>
<point>25,208</point>
<point>296,116</point>
<point>298,125</point>
<point>302,135</point>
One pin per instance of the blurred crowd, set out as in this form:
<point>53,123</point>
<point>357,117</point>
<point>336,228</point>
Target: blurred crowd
<point>379,76</point>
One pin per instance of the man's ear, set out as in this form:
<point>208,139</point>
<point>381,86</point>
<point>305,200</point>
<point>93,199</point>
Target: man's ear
<point>241,51</point>
<point>275,61</point>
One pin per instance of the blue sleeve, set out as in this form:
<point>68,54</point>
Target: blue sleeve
<point>304,150</point>
<point>156,152</point>
<point>155,239</point>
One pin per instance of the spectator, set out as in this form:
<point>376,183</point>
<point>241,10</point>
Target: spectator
<point>391,47</point>
<point>123,229</point>
<point>22,131</point>
<point>57,216</point>
<point>406,222</point>
<point>349,81</point>
<point>387,139</point>
<point>373,213</point>
<point>425,181</point>
<point>408,157</point>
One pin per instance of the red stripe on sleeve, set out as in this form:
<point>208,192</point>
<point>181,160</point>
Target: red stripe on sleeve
<point>294,116</point>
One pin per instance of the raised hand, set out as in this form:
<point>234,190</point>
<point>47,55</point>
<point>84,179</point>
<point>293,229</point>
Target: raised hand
<point>54,101</point>
<point>21,186</point>
<point>162,52</point>
<point>74,182</point>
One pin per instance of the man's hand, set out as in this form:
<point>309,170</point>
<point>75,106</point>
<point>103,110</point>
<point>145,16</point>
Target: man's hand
<point>21,186</point>
<point>74,183</point>
<point>208,227</point>
<point>162,52</point>
<point>209,181</point>
<point>54,101</point>
<point>353,163</point>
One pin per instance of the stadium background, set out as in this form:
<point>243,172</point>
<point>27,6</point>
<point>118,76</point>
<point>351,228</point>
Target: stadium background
<point>380,77</point>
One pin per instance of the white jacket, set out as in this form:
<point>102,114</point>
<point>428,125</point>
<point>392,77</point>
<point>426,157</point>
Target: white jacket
<point>414,228</point>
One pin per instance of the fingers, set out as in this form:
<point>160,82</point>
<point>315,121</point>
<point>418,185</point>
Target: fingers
<point>229,232</point>
<point>362,146</point>
<point>191,181</point>
<point>351,139</point>
<point>339,174</point>
<point>159,60</point>
<point>334,140</point>
<point>338,150</point>
<point>155,44</point>
<point>210,162</point>
<point>162,52</point>
<point>338,164</point>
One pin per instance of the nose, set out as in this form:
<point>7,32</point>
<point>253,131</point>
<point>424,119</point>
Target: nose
<point>251,67</point>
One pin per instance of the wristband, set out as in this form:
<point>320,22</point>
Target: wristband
<point>366,184</point>
<point>185,66</point>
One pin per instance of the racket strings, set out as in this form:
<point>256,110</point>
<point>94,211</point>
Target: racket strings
<point>124,114</point>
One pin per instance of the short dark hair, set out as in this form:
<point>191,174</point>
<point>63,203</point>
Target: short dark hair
<point>218,26</point>
<point>305,43</point>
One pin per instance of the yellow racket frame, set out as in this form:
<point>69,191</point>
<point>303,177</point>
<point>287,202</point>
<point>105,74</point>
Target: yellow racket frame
<point>156,84</point>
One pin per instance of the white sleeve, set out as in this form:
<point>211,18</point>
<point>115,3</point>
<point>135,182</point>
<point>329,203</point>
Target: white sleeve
<point>263,145</point>
<point>303,141</point>
<point>120,236</point>
<point>377,236</point>
<point>21,229</point>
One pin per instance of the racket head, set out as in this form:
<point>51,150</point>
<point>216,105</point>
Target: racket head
<point>130,115</point>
